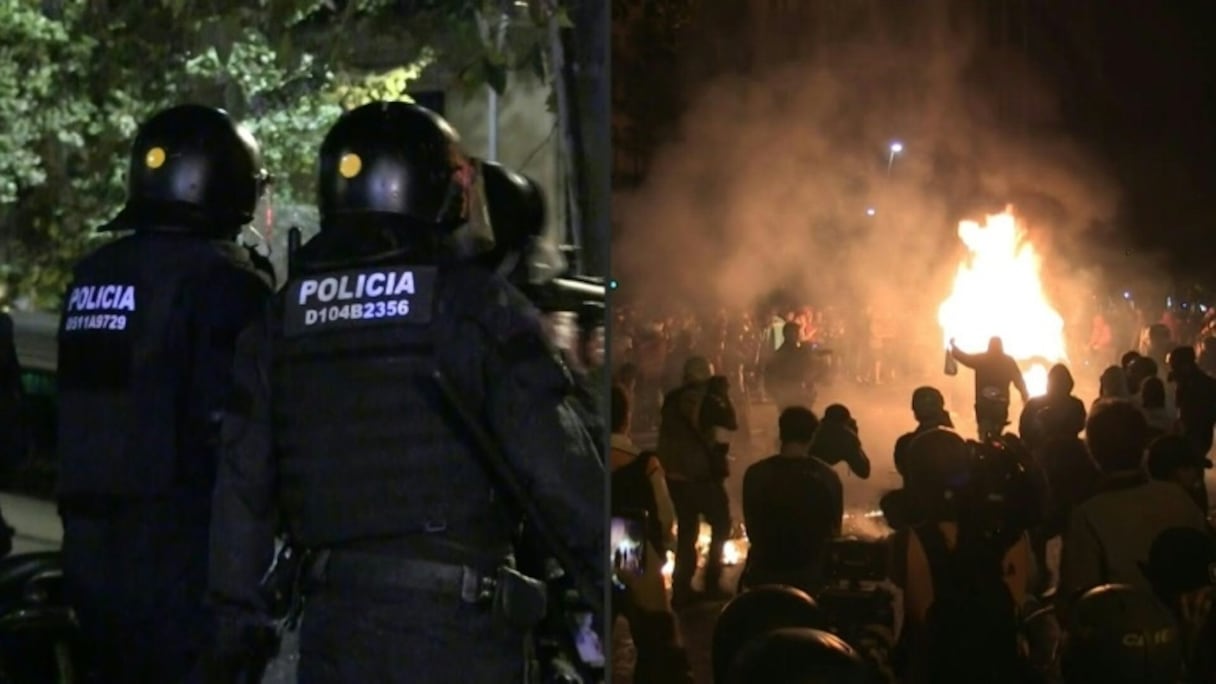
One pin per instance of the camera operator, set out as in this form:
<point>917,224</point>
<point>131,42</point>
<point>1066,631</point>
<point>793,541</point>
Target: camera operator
<point>837,441</point>
<point>929,410</point>
<point>968,565</point>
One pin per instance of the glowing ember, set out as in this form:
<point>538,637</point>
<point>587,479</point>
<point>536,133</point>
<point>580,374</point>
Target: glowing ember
<point>997,292</point>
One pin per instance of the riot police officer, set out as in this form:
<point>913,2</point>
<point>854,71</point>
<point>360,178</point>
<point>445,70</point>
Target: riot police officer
<point>389,325</point>
<point>517,213</point>
<point>146,339</point>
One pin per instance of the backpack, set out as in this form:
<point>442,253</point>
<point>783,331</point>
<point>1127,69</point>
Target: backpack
<point>971,630</point>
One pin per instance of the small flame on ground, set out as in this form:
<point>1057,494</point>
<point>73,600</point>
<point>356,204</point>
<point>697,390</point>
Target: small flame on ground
<point>863,524</point>
<point>733,553</point>
<point>997,292</point>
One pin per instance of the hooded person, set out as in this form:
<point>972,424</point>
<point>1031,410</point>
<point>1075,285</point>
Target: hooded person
<point>1056,414</point>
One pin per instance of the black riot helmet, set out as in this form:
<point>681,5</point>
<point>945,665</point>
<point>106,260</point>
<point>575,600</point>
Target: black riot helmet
<point>394,160</point>
<point>516,206</point>
<point>797,655</point>
<point>756,612</point>
<point>192,168</point>
<point>1122,634</point>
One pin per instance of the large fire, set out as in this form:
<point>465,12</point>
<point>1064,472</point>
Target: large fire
<point>997,292</point>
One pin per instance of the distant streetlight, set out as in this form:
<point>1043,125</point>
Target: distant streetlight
<point>871,211</point>
<point>896,148</point>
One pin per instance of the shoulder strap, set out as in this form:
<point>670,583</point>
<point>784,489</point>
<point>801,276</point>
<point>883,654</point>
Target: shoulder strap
<point>496,465</point>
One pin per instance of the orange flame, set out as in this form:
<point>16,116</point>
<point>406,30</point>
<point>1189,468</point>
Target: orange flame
<point>997,292</point>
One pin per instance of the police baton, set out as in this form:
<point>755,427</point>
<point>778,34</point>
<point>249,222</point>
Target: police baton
<point>294,237</point>
<point>502,471</point>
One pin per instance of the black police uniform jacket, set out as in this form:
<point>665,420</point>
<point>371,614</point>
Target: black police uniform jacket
<point>342,431</point>
<point>146,340</point>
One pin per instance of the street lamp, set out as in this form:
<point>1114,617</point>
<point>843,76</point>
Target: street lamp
<point>896,148</point>
<point>871,211</point>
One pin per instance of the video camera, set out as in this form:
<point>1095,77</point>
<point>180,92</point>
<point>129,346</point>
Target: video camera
<point>852,560</point>
<point>999,497</point>
<point>857,608</point>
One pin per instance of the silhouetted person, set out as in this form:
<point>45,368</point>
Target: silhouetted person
<point>1153,402</point>
<point>1055,414</point>
<point>787,373</point>
<point>1195,398</point>
<point>1110,533</point>
<point>1172,459</point>
<point>1140,369</point>
<point>995,371</point>
<point>929,410</point>
<point>792,505</point>
<point>1125,361</point>
<point>696,479</point>
<point>837,440</point>
<point>1158,344</point>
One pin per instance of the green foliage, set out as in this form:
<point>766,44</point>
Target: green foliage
<point>286,68</point>
<point>392,86</point>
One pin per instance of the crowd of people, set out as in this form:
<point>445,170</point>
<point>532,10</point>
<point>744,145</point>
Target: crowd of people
<point>1070,543</point>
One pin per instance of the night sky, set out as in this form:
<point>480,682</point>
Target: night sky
<point>1149,112</point>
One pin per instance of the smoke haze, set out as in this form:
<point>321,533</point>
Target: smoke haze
<point>769,182</point>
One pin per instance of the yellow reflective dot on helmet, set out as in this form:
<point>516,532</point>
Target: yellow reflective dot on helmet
<point>349,165</point>
<point>155,158</point>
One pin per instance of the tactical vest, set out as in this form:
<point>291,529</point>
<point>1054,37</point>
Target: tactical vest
<point>124,365</point>
<point>367,447</point>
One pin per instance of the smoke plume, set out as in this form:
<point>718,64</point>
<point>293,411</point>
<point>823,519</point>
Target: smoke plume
<point>768,183</point>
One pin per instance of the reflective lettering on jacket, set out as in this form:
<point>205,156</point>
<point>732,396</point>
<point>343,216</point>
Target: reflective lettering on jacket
<point>363,450</point>
<point>99,307</point>
<point>359,298</point>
